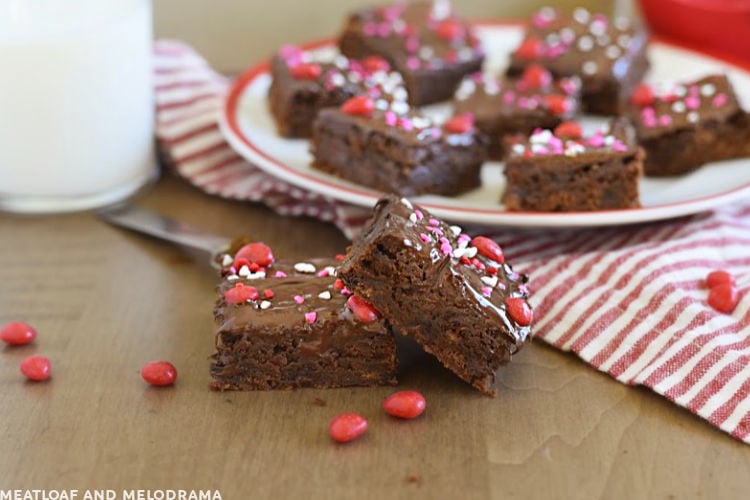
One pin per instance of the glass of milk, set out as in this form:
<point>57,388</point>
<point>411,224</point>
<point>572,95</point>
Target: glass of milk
<point>76,103</point>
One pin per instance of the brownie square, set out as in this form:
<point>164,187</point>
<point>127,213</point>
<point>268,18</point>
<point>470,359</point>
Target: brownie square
<point>294,330</point>
<point>509,106</point>
<point>424,41</point>
<point>608,55</point>
<point>453,294</point>
<point>397,150</point>
<point>562,171</point>
<point>303,83</point>
<point>685,125</point>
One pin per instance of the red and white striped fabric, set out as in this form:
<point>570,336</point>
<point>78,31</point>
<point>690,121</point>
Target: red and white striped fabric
<point>629,301</point>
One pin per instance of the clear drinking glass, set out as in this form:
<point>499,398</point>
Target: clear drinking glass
<point>76,103</point>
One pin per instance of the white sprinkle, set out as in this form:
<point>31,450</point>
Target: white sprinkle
<point>539,149</point>
<point>692,117</point>
<point>518,149</point>
<point>304,267</point>
<point>341,62</point>
<point>589,68</point>
<point>400,94</point>
<point>708,89</point>
<point>398,25</point>
<point>381,104</point>
<point>585,43</point>
<point>354,77</point>
<point>232,277</point>
<point>467,88</point>
<point>603,40</point>
<point>623,41</point>
<point>567,35</point>
<point>337,80</point>
<point>256,276</point>
<point>609,140</point>
<point>465,252</point>
<point>265,304</point>
<point>491,88</point>
<point>581,15</point>
<point>405,202</point>
<point>244,271</point>
<point>542,137</point>
<point>408,243</point>
<point>421,122</point>
<point>490,281</point>
<point>613,52</point>
<point>466,54</point>
<point>330,270</point>
<point>456,230</point>
<point>597,28</point>
<point>552,39</point>
<point>621,23</point>
<point>413,218</point>
<point>326,295</point>
<point>227,260</point>
<point>426,52</point>
<point>678,107</point>
<point>680,91</point>
<point>399,107</point>
<point>471,252</point>
<point>574,149</point>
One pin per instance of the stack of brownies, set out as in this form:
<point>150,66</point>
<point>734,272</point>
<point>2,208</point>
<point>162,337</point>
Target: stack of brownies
<point>361,110</point>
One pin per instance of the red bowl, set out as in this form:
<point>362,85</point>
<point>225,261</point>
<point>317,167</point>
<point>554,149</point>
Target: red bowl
<point>719,26</point>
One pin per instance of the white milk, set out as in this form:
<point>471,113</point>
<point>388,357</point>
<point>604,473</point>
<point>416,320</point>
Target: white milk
<point>76,103</point>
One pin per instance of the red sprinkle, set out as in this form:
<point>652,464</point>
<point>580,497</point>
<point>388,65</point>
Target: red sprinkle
<point>254,253</point>
<point>723,297</point>
<point>306,71</point>
<point>241,293</point>
<point>339,256</point>
<point>537,77</point>
<point>347,427</point>
<point>557,104</point>
<point>159,373</point>
<point>375,63</point>
<point>360,105</point>
<point>405,404</point>
<point>643,95</point>
<point>36,368</point>
<point>363,310</point>
<point>519,310</point>
<point>569,130</point>
<point>460,124</point>
<point>450,30</point>
<point>338,284</point>
<point>715,278</point>
<point>530,48</point>
<point>17,333</point>
<point>268,293</point>
<point>488,248</point>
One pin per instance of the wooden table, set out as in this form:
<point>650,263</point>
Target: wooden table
<point>106,301</point>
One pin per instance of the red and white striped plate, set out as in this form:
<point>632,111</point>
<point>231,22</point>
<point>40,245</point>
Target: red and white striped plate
<point>247,125</point>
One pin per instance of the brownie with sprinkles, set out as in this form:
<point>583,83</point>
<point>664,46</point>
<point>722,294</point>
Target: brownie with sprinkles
<point>454,294</point>
<point>509,106</point>
<point>608,54</point>
<point>564,171</point>
<point>424,41</point>
<point>305,82</point>
<point>396,149</point>
<point>294,324</point>
<point>685,125</point>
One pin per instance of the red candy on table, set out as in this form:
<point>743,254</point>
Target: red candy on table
<point>360,105</point>
<point>36,368</point>
<point>254,253</point>
<point>715,278</point>
<point>530,48</point>
<point>723,297</point>
<point>460,124</point>
<point>569,130</point>
<point>405,404</point>
<point>17,333</point>
<point>643,95</point>
<point>519,310</point>
<point>362,310</point>
<point>347,427</point>
<point>306,71</point>
<point>488,248</point>
<point>537,77</point>
<point>159,373</point>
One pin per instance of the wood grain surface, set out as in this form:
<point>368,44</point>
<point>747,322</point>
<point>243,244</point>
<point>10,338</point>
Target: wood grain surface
<point>106,301</point>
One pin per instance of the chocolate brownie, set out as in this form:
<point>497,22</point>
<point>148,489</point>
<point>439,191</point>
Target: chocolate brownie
<point>303,83</point>
<point>682,126</point>
<point>563,171</point>
<point>424,41</point>
<point>392,148</point>
<point>456,296</point>
<point>505,107</point>
<point>608,55</point>
<point>294,325</point>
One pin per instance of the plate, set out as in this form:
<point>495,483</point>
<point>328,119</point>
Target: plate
<point>248,126</point>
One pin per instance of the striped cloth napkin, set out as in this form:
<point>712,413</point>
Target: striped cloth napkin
<point>629,301</point>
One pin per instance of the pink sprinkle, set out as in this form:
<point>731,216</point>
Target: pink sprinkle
<point>311,317</point>
<point>346,292</point>
<point>601,20</point>
<point>406,124</point>
<point>692,102</point>
<point>391,119</point>
<point>435,133</point>
<point>463,237</point>
<point>541,19</point>
<point>446,248</point>
<point>443,239</point>
<point>619,146</point>
<point>369,29</point>
<point>596,140</point>
<point>649,121</point>
<point>486,291</point>
<point>437,231</point>
<point>719,100</point>
<point>649,111</point>
<point>556,50</point>
<point>412,44</point>
<point>434,222</point>
<point>291,54</point>
<point>299,299</point>
<point>384,30</point>
<point>280,274</point>
<point>522,288</point>
<point>694,90</point>
<point>323,273</point>
<point>419,214</point>
<point>502,286</point>
<point>412,63</point>
<point>665,120</point>
<point>424,237</point>
<point>430,228</point>
<point>568,85</point>
<point>477,77</point>
<point>555,142</point>
<point>509,97</point>
<point>525,103</point>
